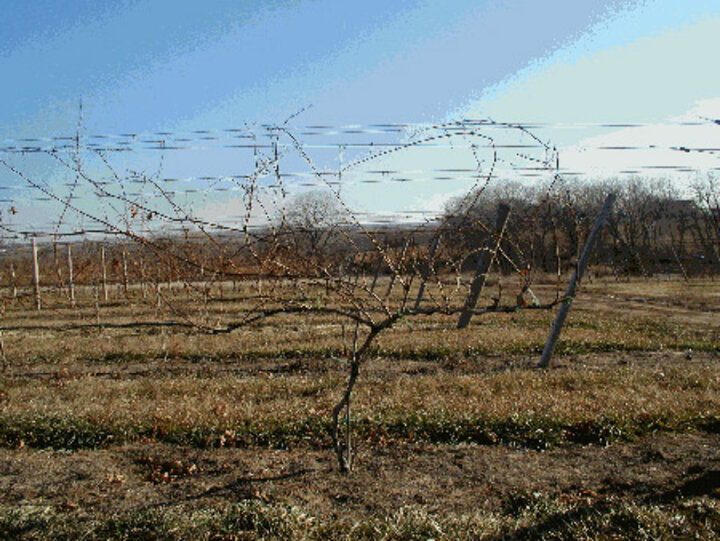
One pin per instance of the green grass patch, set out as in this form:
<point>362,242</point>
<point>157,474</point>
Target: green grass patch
<point>528,431</point>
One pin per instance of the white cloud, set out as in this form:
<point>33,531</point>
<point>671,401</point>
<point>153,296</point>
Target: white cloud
<point>679,148</point>
<point>437,202</point>
<point>653,77</point>
<point>233,212</point>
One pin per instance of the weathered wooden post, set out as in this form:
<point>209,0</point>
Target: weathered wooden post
<point>378,268</point>
<point>5,364</point>
<point>36,275</point>
<point>125,273</point>
<point>486,259</point>
<point>679,263</point>
<point>576,278</point>
<point>425,272</point>
<point>359,269</point>
<point>104,273</point>
<point>381,261</point>
<point>58,271</point>
<point>399,265</point>
<point>71,283</point>
<point>96,292</point>
<point>14,281</point>
<point>143,285</point>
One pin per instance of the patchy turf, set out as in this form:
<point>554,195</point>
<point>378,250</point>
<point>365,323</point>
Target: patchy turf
<point>165,434</point>
<point>659,485</point>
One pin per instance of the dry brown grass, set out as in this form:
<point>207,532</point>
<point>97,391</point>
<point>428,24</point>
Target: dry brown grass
<point>607,316</point>
<point>637,359</point>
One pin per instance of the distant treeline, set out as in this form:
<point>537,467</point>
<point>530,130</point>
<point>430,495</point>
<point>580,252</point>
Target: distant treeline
<point>652,229</point>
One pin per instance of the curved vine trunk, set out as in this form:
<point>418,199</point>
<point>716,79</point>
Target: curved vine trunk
<point>343,450</point>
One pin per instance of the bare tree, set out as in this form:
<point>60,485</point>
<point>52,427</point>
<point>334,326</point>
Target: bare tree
<point>311,225</point>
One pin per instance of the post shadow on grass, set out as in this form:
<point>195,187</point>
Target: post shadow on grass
<point>239,485</point>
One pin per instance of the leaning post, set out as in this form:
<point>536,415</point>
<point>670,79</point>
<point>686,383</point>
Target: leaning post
<point>425,273</point>
<point>575,280</point>
<point>486,258</point>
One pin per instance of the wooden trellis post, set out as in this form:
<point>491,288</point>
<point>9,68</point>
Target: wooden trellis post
<point>104,273</point>
<point>125,273</point>
<point>381,261</point>
<point>36,275</point>
<point>486,259</point>
<point>399,265</point>
<point>575,280</point>
<point>14,281</point>
<point>359,268</point>
<point>426,271</point>
<point>143,285</point>
<point>71,283</point>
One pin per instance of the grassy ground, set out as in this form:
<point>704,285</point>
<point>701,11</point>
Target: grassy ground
<point>171,434</point>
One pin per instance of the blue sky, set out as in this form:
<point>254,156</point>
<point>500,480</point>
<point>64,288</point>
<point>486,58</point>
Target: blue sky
<point>147,65</point>
<point>161,65</point>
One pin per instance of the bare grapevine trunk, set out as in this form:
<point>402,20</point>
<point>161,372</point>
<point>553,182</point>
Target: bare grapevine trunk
<point>343,450</point>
